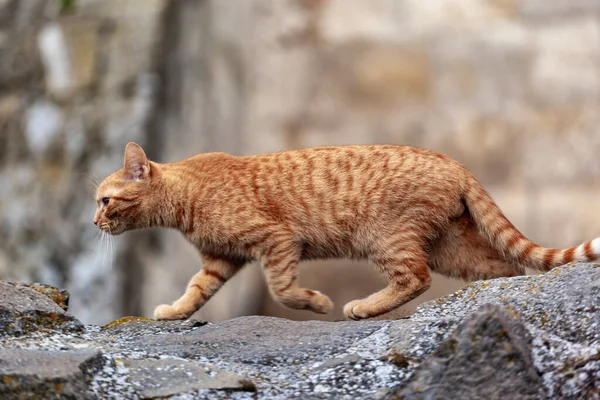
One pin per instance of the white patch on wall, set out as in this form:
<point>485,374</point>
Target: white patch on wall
<point>43,122</point>
<point>55,58</point>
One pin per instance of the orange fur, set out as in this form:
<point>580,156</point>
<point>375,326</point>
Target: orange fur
<point>405,209</point>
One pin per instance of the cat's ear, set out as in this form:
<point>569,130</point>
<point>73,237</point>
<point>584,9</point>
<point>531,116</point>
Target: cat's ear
<point>135,166</point>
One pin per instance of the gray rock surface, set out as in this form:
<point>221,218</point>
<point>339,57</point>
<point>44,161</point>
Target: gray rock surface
<point>487,357</point>
<point>47,374</point>
<point>561,310</point>
<point>23,309</point>
<point>281,358</point>
<point>564,301</point>
<point>157,378</point>
<point>59,296</point>
<point>525,337</point>
<point>257,340</point>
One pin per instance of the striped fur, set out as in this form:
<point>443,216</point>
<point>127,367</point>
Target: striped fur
<point>405,209</point>
<point>507,239</point>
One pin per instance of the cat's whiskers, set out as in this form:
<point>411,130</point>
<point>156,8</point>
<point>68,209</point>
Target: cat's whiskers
<point>96,239</point>
<point>90,235</point>
<point>96,236</point>
<point>103,246</point>
<point>106,244</point>
<point>112,248</point>
<point>92,181</point>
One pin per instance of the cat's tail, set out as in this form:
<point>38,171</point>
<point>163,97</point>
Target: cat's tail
<point>507,239</point>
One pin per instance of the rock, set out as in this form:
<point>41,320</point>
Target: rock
<point>301,355</point>
<point>136,326</point>
<point>334,362</point>
<point>487,355</point>
<point>523,337</point>
<point>28,374</point>
<point>59,296</point>
<point>564,301</point>
<point>561,310</point>
<point>157,378</point>
<point>253,340</point>
<point>23,310</point>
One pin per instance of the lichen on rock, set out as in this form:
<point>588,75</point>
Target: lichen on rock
<point>23,310</point>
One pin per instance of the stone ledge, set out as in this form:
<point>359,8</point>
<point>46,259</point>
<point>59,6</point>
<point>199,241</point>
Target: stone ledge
<point>530,336</point>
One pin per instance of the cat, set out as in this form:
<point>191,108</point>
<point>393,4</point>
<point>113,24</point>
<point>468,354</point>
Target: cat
<point>405,209</point>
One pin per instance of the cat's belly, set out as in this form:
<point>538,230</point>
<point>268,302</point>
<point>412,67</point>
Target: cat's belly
<point>314,246</point>
<point>312,250</point>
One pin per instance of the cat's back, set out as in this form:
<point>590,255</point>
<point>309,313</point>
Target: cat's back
<point>344,172</point>
<point>342,159</point>
<point>359,161</point>
<point>334,153</point>
<point>345,175</point>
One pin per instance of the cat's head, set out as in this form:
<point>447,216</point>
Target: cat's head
<point>126,198</point>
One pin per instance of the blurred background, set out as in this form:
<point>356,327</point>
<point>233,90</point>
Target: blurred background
<point>511,88</point>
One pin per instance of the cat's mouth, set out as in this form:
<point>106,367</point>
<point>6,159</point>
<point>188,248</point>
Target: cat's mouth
<point>108,228</point>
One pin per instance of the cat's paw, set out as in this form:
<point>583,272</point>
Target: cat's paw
<point>320,303</point>
<point>165,311</point>
<point>356,310</point>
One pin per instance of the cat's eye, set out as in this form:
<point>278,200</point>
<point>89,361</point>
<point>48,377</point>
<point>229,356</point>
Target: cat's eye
<point>105,200</point>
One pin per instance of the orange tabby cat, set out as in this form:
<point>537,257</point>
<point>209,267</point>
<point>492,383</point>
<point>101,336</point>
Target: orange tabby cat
<point>405,209</point>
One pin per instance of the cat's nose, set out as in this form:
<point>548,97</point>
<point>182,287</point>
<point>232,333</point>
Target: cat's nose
<point>95,221</point>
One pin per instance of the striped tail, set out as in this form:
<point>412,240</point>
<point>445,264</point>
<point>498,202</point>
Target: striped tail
<point>507,239</point>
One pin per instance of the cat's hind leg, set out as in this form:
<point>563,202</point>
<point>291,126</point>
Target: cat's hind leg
<point>280,264</point>
<point>462,251</point>
<point>214,273</point>
<point>402,260</point>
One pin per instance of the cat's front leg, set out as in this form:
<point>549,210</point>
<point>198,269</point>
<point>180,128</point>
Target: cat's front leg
<point>214,273</point>
<point>280,265</point>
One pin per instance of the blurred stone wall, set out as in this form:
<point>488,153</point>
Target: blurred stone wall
<point>511,88</point>
<point>75,86</point>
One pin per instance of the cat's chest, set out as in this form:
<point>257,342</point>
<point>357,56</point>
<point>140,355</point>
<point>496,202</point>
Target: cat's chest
<point>218,245</point>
